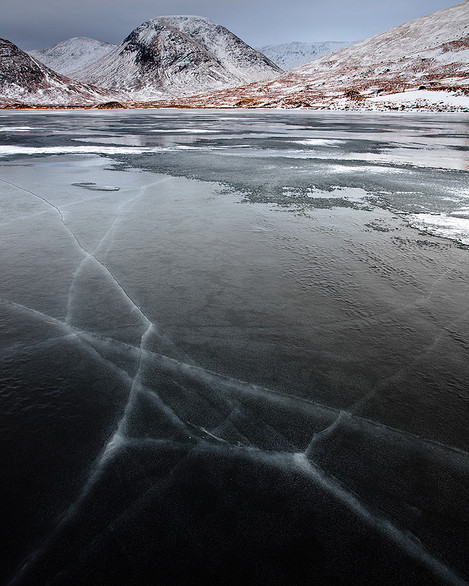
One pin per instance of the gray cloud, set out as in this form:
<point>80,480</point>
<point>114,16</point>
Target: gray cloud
<point>32,25</point>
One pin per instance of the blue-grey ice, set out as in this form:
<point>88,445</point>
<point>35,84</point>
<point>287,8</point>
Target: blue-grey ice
<point>234,347</point>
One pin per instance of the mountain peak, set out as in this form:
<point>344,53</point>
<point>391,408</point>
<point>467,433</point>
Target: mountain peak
<point>179,55</point>
<point>72,54</point>
<point>181,18</point>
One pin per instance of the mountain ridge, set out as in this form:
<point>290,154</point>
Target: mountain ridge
<point>429,54</point>
<point>189,61</point>
<point>178,55</point>
<point>72,54</point>
<point>291,55</point>
<point>24,79</point>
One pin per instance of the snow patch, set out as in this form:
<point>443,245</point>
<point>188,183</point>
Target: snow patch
<point>451,226</point>
<point>6,150</point>
<point>425,96</point>
<point>318,142</point>
<point>71,55</point>
<point>17,129</point>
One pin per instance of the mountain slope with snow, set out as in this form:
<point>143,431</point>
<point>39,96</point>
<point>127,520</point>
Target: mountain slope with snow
<point>429,54</point>
<point>178,55</point>
<point>27,81</point>
<point>73,54</point>
<point>290,55</point>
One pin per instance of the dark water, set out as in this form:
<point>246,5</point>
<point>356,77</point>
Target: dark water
<point>227,356</point>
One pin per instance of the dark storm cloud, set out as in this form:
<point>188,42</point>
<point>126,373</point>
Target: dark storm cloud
<point>40,23</point>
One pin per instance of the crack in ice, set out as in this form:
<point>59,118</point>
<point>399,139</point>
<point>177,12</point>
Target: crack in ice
<point>128,203</point>
<point>118,441</point>
<point>219,382</point>
<point>88,255</point>
<point>378,521</point>
<point>404,370</point>
<point>326,432</point>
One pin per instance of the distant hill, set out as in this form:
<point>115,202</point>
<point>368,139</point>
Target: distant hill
<point>291,55</point>
<point>73,54</point>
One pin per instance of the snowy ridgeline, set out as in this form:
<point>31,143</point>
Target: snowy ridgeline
<point>429,54</point>
<point>191,61</point>
<point>178,55</point>
<point>291,55</point>
<point>172,55</point>
<point>71,55</point>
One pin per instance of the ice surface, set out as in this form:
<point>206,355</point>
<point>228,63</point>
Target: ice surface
<point>222,362</point>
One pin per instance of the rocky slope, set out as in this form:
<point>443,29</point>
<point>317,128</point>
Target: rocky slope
<point>73,54</point>
<point>178,55</point>
<point>27,81</point>
<point>291,55</point>
<point>428,55</point>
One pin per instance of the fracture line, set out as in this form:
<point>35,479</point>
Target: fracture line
<point>118,439</point>
<point>381,523</point>
<point>114,445</point>
<point>355,408</point>
<point>85,338</point>
<point>225,384</point>
<point>87,254</point>
<point>140,502</point>
<point>129,202</point>
<point>90,256</point>
<point>326,432</point>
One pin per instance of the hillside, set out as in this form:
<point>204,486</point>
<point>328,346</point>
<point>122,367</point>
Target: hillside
<point>177,55</point>
<point>429,55</point>
<point>71,55</point>
<point>27,81</point>
<point>290,55</point>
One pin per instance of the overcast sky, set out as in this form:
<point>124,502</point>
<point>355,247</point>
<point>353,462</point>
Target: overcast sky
<point>33,24</point>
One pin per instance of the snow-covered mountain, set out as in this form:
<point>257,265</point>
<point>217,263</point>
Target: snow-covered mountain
<point>73,54</point>
<point>290,55</point>
<point>27,81</point>
<point>422,63</point>
<point>428,58</point>
<point>178,55</point>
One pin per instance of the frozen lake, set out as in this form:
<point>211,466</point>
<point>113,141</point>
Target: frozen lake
<point>234,347</point>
